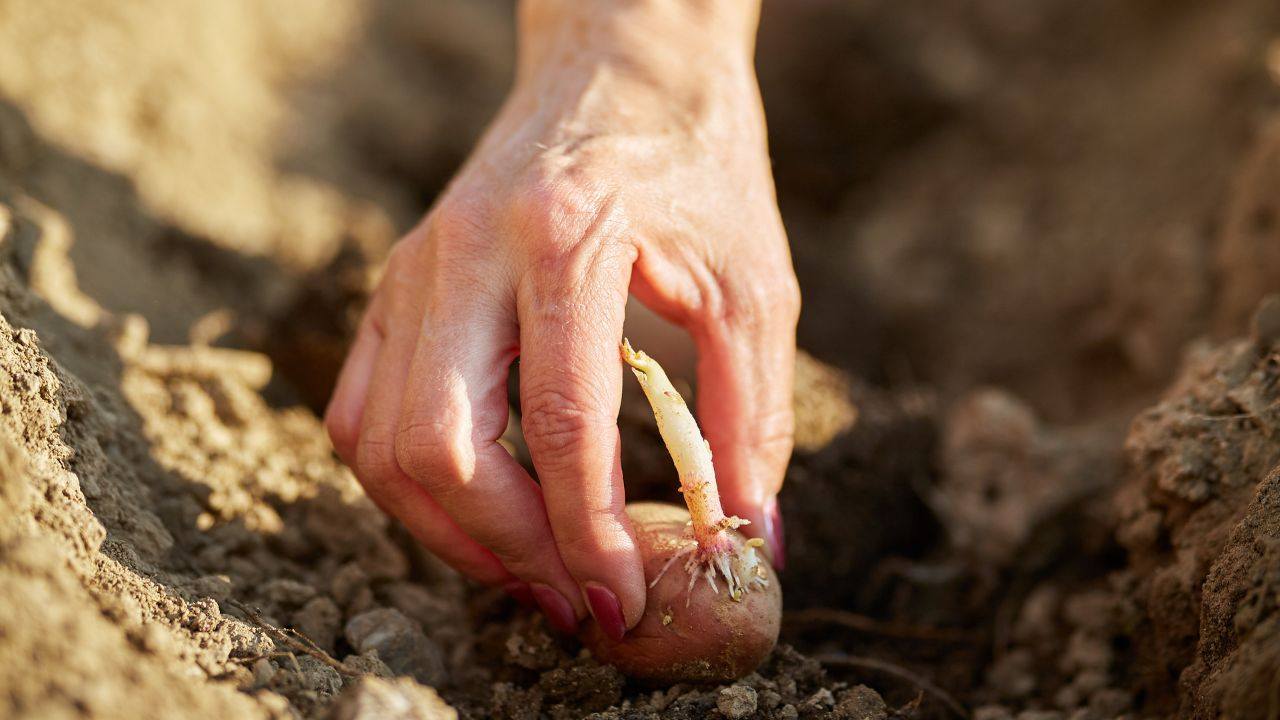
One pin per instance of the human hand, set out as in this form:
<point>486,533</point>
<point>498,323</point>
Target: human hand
<point>618,165</point>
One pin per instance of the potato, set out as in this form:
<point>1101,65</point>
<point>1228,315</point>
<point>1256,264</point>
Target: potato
<point>689,634</point>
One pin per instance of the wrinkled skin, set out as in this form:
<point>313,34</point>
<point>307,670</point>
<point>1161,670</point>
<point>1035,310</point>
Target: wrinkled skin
<point>711,638</point>
<point>629,159</point>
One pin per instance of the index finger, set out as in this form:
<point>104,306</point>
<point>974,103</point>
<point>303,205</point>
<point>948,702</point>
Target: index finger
<point>571,387</point>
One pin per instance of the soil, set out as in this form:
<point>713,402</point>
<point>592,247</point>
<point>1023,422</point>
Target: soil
<point>1037,471</point>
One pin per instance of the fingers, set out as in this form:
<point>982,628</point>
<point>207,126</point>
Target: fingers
<point>393,319</point>
<point>453,412</point>
<point>571,315</point>
<point>746,359</point>
<point>346,407</point>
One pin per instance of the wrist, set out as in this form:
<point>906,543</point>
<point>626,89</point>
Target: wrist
<point>654,34</point>
<point>658,43</point>
<point>656,62</point>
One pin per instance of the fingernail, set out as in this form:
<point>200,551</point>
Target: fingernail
<point>606,609</point>
<point>775,535</point>
<point>521,592</point>
<point>558,610</point>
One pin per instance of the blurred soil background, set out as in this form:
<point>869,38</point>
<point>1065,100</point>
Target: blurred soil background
<point>1038,464</point>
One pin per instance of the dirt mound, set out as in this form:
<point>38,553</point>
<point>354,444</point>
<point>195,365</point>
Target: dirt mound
<point>1199,519</point>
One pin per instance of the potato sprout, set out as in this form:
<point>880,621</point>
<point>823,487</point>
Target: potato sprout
<point>692,631</point>
<point>710,550</point>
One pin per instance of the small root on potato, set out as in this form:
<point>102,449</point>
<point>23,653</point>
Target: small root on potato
<point>741,569</point>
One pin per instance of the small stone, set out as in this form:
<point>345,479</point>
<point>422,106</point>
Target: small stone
<point>347,582</point>
<point>319,620</point>
<point>399,699</point>
<point>992,712</point>
<point>418,603</point>
<point>263,671</point>
<point>288,593</point>
<point>368,664</point>
<point>400,644</point>
<point>736,701</point>
<point>788,712</point>
<point>820,699</point>
<point>363,601</point>
<point>318,676</point>
<point>217,587</point>
<point>861,703</point>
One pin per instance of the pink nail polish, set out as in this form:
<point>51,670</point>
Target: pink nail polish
<point>606,609</point>
<point>557,609</point>
<point>775,535</point>
<point>521,592</point>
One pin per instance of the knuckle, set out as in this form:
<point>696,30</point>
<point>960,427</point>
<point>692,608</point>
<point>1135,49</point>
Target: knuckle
<point>432,453</point>
<point>554,207</point>
<point>773,437</point>
<point>775,429</point>
<point>375,453</point>
<point>560,426</point>
<point>550,193</point>
<point>575,238</point>
<point>754,300</point>
<point>789,300</point>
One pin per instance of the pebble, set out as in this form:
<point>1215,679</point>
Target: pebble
<point>347,582</point>
<point>319,620</point>
<point>819,700</point>
<point>736,701</point>
<point>769,699</point>
<point>861,703</point>
<point>399,642</point>
<point>418,603</point>
<point>263,671</point>
<point>368,664</point>
<point>318,676</point>
<point>283,591</point>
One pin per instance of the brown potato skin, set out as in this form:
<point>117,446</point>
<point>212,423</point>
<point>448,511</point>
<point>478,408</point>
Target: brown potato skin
<point>712,639</point>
